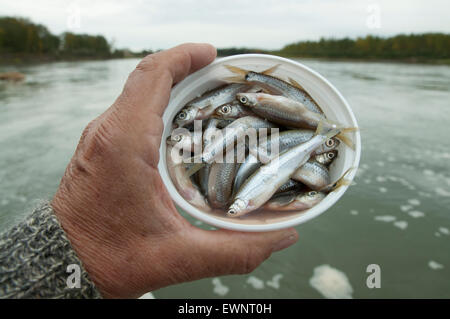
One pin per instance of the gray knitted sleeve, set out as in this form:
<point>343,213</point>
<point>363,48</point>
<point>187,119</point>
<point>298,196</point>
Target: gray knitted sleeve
<point>34,260</point>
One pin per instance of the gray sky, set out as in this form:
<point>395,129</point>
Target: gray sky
<point>269,24</point>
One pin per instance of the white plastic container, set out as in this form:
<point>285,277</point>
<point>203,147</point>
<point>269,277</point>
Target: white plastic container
<point>324,93</point>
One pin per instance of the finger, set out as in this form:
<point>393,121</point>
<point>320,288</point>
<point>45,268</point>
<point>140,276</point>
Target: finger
<point>148,86</point>
<point>226,252</point>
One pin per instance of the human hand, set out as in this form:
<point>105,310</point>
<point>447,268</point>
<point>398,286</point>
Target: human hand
<point>116,210</point>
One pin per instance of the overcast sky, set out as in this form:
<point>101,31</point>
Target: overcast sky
<point>270,24</point>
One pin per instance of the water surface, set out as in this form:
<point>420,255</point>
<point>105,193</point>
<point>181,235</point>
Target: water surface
<point>397,216</point>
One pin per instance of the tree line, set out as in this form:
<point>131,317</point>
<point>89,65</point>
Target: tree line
<point>433,46</point>
<point>21,36</point>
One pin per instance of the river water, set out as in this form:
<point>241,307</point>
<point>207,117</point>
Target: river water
<point>397,216</point>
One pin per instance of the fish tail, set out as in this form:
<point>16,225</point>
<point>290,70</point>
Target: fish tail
<point>344,138</point>
<point>296,84</point>
<point>271,69</point>
<point>325,131</point>
<point>194,169</point>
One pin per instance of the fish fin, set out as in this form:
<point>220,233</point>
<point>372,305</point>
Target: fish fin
<point>344,138</point>
<point>236,70</point>
<point>340,182</point>
<point>296,84</point>
<point>323,130</point>
<point>234,79</point>
<point>194,169</point>
<point>270,70</point>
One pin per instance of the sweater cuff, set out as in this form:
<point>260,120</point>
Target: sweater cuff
<point>38,261</point>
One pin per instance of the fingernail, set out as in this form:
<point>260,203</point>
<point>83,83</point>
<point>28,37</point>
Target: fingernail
<point>285,243</point>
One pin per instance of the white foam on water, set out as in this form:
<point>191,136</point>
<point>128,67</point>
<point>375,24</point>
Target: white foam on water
<point>219,288</point>
<point>435,265</point>
<point>275,281</point>
<point>381,179</point>
<point>393,178</point>
<point>444,230</point>
<point>385,218</point>
<point>4,202</point>
<point>354,212</point>
<point>416,214</point>
<point>148,295</point>
<point>255,282</point>
<point>437,234</point>
<point>442,192</point>
<point>382,189</point>
<point>414,202</point>
<point>391,159</point>
<point>428,172</point>
<point>380,163</point>
<point>331,283</point>
<point>405,208</point>
<point>401,224</point>
<point>367,181</point>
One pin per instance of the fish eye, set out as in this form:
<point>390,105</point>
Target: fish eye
<point>329,143</point>
<point>312,193</point>
<point>177,138</point>
<point>243,99</point>
<point>226,109</point>
<point>182,115</point>
<point>330,155</point>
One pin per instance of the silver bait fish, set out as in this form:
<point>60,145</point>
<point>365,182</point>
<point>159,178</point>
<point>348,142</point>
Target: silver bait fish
<point>292,202</point>
<point>326,158</point>
<point>272,84</point>
<point>262,184</point>
<point>220,183</point>
<point>288,112</point>
<point>182,182</point>
<point>233,110</point>
<point>202,107</point>
<point>314,175</point>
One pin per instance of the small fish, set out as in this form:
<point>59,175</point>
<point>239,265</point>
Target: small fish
<point>202,107</point>
<point>288,112</point>
<point>235,131</point>
<point>291,90</point>
<point>289,186</point>
<point>220,183</point>
<point>313,174</point>
<point>326,158</point>
<point>233,110</point>
<point>262,151</point>
<point>203,177</point>
<point>181,180</point>
<point>262,184</point>
<point>291,202</point>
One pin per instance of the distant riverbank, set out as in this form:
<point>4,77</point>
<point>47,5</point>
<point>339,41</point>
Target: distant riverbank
<point>23,42</point>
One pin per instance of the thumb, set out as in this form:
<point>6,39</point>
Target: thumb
<point>228,252</point>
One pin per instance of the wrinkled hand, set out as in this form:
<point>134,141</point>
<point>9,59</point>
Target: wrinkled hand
<point>116,210</point>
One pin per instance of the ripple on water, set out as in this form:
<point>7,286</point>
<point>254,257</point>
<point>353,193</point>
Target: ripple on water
<point>442,192</point>
<point>382,189</point>
<point>255,282</point>
<point>401,224</point>
<point>219,288</point>
<point>435,265</point>
<point>444,230</point>
<point>385,218</point>
<point>416,214</point>
<point>354,212</point>
<point>275,281</point>
<point>331,283</point>
<point>414,201</point>
<point>405,208</point>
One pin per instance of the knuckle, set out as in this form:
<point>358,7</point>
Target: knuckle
<point>148,64</point>
<point>98,139</point>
